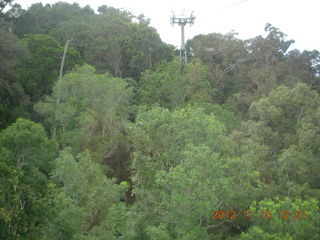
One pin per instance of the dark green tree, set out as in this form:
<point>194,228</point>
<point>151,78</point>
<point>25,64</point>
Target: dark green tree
<point>4,3</point>
<point>39,19</point>
<point>26,159</point>
<point>38,73</point>
<point>13,100</point>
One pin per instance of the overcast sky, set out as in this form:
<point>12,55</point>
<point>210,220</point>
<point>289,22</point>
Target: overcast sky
<point>298,19</point>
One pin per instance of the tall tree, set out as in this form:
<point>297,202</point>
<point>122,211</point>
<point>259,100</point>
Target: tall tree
<point>91,111</point>
<point>40,71</point>
<point>281,136</point>
<point>171,88</point>
<point>183,160</point>
<point>13,100</point>
<point>26,159</point>
<point>39,19</point>
<point>87,206</point>
<point>4,3</point>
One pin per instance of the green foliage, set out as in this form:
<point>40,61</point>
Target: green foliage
<point>170,88</point>
<point>88,203</point>
<point>189,192</point>
<point>221,53</point>
<point>14,102</point>
<point>122,47</point>
<point>12,14</point>
<point>41,19</point>
<point>4,3</point>
<point>111,41</point>
<point>156,233</point>
<point>157,130</point>
<point>144,48</point>
<point>26,158</point>
<point>222,113</point>
<point>182,161</point>
<point>237,126</point>
<point>281,138</point>
<point>87,110</point>
<point>257,233</point>
<point>165,86</point>
<point>40,71</point>
<point>291,219</point>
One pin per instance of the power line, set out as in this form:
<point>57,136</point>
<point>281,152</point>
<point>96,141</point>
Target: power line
<point>236,3</point>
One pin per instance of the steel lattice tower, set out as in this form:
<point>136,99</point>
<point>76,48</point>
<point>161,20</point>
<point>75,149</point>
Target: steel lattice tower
<point>182,21</point>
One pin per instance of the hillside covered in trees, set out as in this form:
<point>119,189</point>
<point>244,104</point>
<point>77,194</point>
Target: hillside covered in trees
<point>104,137</point>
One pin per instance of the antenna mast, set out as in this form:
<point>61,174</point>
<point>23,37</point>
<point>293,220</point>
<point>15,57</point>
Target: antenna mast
<point>182,21</point>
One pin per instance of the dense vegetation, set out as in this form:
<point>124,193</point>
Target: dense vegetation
<point>116,142</point>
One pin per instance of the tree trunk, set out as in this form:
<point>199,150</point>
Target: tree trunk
<point>62,66</point>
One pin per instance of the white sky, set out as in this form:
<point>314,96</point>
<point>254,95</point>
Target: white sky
<point>298,19</point>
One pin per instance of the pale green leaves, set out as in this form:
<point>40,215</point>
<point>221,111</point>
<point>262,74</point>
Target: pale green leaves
<point>88,110</point>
